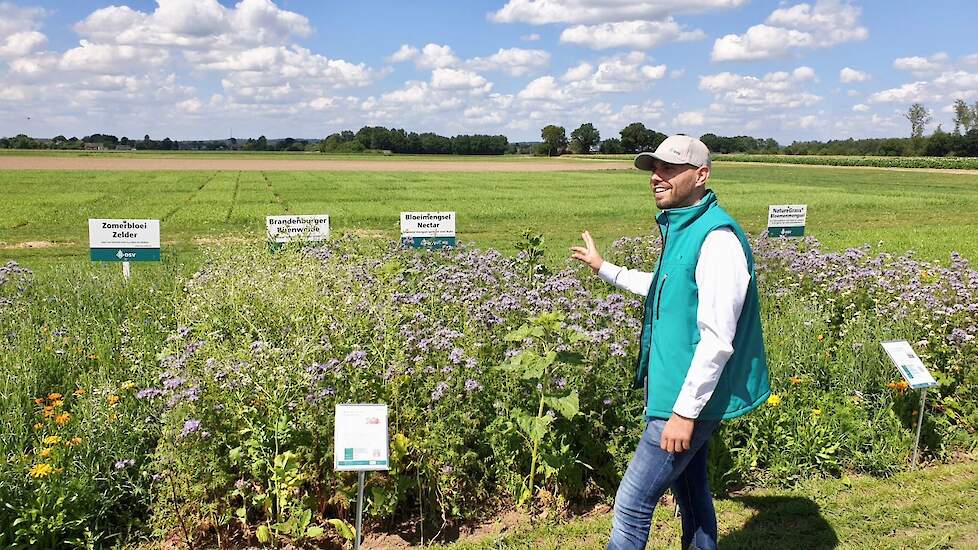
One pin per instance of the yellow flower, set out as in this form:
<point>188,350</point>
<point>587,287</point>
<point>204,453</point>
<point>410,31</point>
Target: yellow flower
<point>816,412</point>
<point>128,385</point>
<point>79,392</point>
<point>54,396</point>
<point>45,452</point>
<point>73,442</point>
<point>39,426</point>
<point>92,356</point>
<point>40,470</point>
<point>57,403</point>
<point>62,418</point>
<point>820,337</point>
<point>51,440</point>
<point>112,400</point>
<point>774,400</point>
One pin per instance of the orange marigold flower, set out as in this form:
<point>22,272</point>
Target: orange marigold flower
<point>73,442</point>
<point>48,411</point>
<point>45,452</point>
<point>39,426</point>
<point>795,380</point>
<point>39,401</point>
<point>54,396</point>
<point>820,337</point>
<point>79,392</point>
<point>112,400</point>
<point>40,470</point>
<point>62,418</point>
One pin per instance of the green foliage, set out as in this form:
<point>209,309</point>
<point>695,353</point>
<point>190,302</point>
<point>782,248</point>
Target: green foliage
<point>894,161</point>
<point>555,139</point>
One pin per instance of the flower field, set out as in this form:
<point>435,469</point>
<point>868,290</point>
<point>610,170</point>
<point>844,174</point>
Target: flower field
<point>198,407</point>
<point>961,163</point>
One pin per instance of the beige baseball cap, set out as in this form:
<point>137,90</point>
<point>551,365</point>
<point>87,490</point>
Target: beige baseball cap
<point>678,149</point>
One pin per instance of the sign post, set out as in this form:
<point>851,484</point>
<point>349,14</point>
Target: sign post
<point>124,241</point>
<point>283,229</point>
<point>360,444</point>
<point>786,220</point>
<point>917,376</point>
<point>428,229</point>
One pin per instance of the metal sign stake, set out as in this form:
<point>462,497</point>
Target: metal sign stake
<point>360,476</point>
<point>920,423</point>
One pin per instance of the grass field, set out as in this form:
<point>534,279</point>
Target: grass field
<point>926,509</point>
<point>43,218</point>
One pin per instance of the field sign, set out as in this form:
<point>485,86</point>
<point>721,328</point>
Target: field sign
<point>124,240</point>
<point>433,229</point>
<point>283,229</point>
<point>909,364</point>
<point>786,220</point>
<point>360,437</point>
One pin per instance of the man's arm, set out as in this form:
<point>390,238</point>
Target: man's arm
<point>625,279</point>
<point>632,280</point>
<point>722,279</point>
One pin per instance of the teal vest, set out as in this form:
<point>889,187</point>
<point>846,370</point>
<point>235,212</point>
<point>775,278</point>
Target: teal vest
<point>669,330</point>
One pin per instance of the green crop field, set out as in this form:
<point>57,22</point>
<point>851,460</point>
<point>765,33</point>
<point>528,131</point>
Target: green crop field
<point>43,216</point>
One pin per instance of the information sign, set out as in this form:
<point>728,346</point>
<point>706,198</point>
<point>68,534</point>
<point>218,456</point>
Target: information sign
<point>786,220</point>
<point>433,229</point>
<point>360,440</point>
<point>124,240</point>
<point>283,229</point>
<point>909,364</point>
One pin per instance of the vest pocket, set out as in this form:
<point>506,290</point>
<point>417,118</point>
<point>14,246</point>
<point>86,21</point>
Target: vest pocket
<point>658,299</point>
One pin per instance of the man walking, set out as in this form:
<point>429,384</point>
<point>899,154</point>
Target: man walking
<point>702,353</point>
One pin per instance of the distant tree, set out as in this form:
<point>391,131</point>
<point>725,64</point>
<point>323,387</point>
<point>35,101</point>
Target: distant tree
<point>555,138</point>
<point>585,137</point>
<point>962,116</point>
<point>261,144</point>
<point>612,146</point>
<point>636,138</point>
<point>919,117</point>
<point>939,144</point>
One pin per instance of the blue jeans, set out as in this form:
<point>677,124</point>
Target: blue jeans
<point>650,473</point>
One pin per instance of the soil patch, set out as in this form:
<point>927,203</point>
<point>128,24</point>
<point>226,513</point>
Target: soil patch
<point>34,244</point>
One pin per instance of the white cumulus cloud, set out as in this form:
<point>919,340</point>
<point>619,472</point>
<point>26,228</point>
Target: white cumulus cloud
<point>512,61</point>
<point>777,90</point>
<point>802,26</point>
<point>848,75</point>
<point>629,34</point>
<point>542,12</point>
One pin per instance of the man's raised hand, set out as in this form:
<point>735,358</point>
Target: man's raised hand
<point>588,253</point>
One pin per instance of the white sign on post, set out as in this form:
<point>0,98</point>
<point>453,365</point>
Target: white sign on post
<point>283,229</point>
<point>360,440</point>
<point>786,220</point>
<point>433,228</point>
<point>909,364</point>
<point>124,240</point>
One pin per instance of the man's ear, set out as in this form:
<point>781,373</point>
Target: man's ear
<point>702,174</point>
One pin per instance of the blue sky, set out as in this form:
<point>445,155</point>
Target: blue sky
<point>187,69</point>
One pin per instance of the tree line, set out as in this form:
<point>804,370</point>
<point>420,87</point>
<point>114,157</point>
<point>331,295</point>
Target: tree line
<point>397,140</point>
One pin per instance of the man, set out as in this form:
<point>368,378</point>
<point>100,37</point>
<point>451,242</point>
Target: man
<point>702,353</point>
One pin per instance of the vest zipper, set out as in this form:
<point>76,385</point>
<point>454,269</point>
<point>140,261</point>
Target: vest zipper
<point>658,300</point>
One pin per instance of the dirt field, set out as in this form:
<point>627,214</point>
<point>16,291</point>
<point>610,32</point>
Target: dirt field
<point>275,165</point>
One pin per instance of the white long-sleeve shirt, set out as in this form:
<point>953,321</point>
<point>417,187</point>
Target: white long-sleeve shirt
<point>722,280</point>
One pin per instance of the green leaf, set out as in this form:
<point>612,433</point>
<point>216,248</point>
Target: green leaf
<point>518,334</point>
<point>568,406</point>
<point>535,427</point>
<point>379,496</point>
<point>314,532</point>
<point>241,512</point>
<point>344,529</point>
<point>264,534</point>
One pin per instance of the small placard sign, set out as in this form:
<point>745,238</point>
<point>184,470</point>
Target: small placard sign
<point>787,220</point>
<point>283,229</point>
<point>909,364</point>
<point>434,229</point>
<point>124,240</point>
<point>360,440</point>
